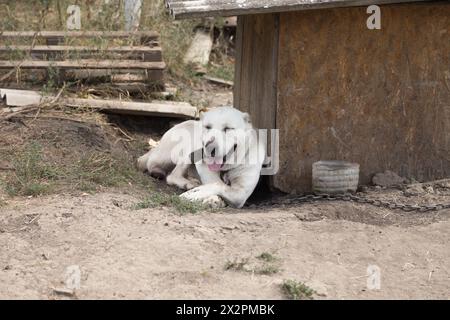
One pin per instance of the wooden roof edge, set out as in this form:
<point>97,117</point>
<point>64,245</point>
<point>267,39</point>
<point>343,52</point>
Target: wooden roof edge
<point>186,9</point>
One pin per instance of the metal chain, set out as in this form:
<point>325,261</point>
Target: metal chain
<point>362,199</point>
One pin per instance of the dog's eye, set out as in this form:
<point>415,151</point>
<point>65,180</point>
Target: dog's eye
<point>208,127</point>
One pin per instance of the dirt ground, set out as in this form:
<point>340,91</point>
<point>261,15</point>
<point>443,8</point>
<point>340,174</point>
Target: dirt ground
<point>93,223</point>
<point>155,253</point>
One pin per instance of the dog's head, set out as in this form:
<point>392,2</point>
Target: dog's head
<point>224,130</point>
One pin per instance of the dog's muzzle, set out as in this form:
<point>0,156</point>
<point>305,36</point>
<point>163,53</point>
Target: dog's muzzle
<point>199,155</point>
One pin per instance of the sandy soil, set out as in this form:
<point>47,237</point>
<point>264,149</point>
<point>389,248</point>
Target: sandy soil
<point>156,253</point>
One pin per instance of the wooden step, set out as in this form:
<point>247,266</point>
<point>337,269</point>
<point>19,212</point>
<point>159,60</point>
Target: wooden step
<point>57,37</point>
<point>150,35</point>
<point>146,53</point>
<point>86,63</point>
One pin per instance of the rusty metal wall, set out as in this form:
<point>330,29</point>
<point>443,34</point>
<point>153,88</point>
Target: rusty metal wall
<point>377,97</point>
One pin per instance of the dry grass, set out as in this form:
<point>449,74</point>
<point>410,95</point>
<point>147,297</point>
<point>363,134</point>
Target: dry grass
<point>264,264</point>
<point>175,38</point>
<point>237,265</point>
<point>36,174</point>
<point>33,174</point>
<point>97,15</point>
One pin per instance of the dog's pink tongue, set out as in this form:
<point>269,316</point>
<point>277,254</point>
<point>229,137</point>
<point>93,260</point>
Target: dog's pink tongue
<point>215,166</point>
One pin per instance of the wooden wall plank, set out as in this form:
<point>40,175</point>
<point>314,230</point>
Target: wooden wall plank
<point>256,68</point>
<point>255,87</point>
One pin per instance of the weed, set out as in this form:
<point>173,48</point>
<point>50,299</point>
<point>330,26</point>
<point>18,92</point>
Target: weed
<point>267,269</point>
<point>182,206</point>
<point>237,265</point>
<point>297,290</point>
<point>267,257</point>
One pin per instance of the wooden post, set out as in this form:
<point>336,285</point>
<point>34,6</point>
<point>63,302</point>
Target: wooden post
<point>132,14</point>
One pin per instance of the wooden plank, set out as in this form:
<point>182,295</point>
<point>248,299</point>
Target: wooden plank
<point>65,48</point>
<point>20,98</point>
<point>96,73</point>
<point>149,35</point>
<point>255,87</point>
<point>256,70</point>
<point>200,49</point>
<point>154,108</point>
<point>238,62</point>
<point>210,8</point>
<point>218,81</point>
<point>148,76</point>
<point>23,98</point>
<point>128,77</point>
<point>145,53</point>
<point>87,63</point>
<point>156,90</point>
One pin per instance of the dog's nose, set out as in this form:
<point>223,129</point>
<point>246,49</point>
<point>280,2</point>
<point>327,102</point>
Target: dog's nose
<point>211,140</point>
<point>213,152</point>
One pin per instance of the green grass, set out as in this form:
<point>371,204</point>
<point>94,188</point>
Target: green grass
<point>31,176</point>
<point>295,290</point>
<point>158,199</point>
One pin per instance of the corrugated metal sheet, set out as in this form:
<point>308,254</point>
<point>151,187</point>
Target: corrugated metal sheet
<point>207,8</point>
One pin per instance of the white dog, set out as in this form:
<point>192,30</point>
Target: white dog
<point>225,149</point>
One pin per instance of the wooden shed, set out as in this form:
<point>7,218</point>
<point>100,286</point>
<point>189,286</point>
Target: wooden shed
<point>338,90</point>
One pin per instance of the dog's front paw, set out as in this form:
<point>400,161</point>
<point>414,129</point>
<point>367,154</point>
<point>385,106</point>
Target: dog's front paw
<point>195,194</point>
<point>199,193</point>
<point>214,202</point>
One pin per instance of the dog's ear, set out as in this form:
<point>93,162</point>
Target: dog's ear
<point>202,112</point>
<point>246,117</point>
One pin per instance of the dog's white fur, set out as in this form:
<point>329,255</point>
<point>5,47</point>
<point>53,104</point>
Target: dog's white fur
<point>225,130</point>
